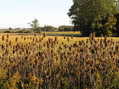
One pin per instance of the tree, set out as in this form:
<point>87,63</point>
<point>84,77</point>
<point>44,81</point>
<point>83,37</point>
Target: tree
<point>106,26</point>
<point>35,25</point>
<point>117,24</point>
<point>84,13</point>
<point>10,28</point>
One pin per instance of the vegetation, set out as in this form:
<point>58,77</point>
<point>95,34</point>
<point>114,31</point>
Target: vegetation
<point>64,33</point>
<point>94,16</point>
<point>49,28</point>
<point>51,57</point>
<point>46,28</point>
<point>40,62</point>
<point>66,28</point>
<point>35,25</point>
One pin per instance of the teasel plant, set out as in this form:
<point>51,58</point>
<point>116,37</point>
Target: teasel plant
<point>40,63</point>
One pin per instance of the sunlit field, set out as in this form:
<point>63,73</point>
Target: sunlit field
<point>69,33</point>
<point>57,62</point>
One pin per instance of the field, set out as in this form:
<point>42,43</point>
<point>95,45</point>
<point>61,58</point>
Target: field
<point>70,33</point>
<point>50,62</point>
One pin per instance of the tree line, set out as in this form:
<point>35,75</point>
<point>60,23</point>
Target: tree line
<point>36,28</point>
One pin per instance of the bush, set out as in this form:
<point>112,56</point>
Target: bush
<point>48,28</point>
<point>66,28</point>
<point>23,31</point>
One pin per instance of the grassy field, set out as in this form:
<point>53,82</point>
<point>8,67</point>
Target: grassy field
<point>70,33</point>
<point>58,62</point>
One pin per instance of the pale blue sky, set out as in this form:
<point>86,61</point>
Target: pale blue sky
<point>18,13</point>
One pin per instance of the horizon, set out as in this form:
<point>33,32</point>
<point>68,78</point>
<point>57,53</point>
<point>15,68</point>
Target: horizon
<point>17,14</point>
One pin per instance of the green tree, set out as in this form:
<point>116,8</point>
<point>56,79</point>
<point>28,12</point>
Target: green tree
<point>84,13</point>
<point>35,25</point>
<point>106,26</point>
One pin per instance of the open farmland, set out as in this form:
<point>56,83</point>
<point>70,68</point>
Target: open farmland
<point>49,62</point>
<point>65,33</point>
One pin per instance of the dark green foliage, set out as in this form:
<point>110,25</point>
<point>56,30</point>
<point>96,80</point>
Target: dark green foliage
<point>85,13</point>
<point>22,31</point>
<point>7,31</point>
<point>117,24</point>
<point>105,26</point>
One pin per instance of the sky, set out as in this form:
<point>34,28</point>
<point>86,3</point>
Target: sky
<point>18,13</point>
